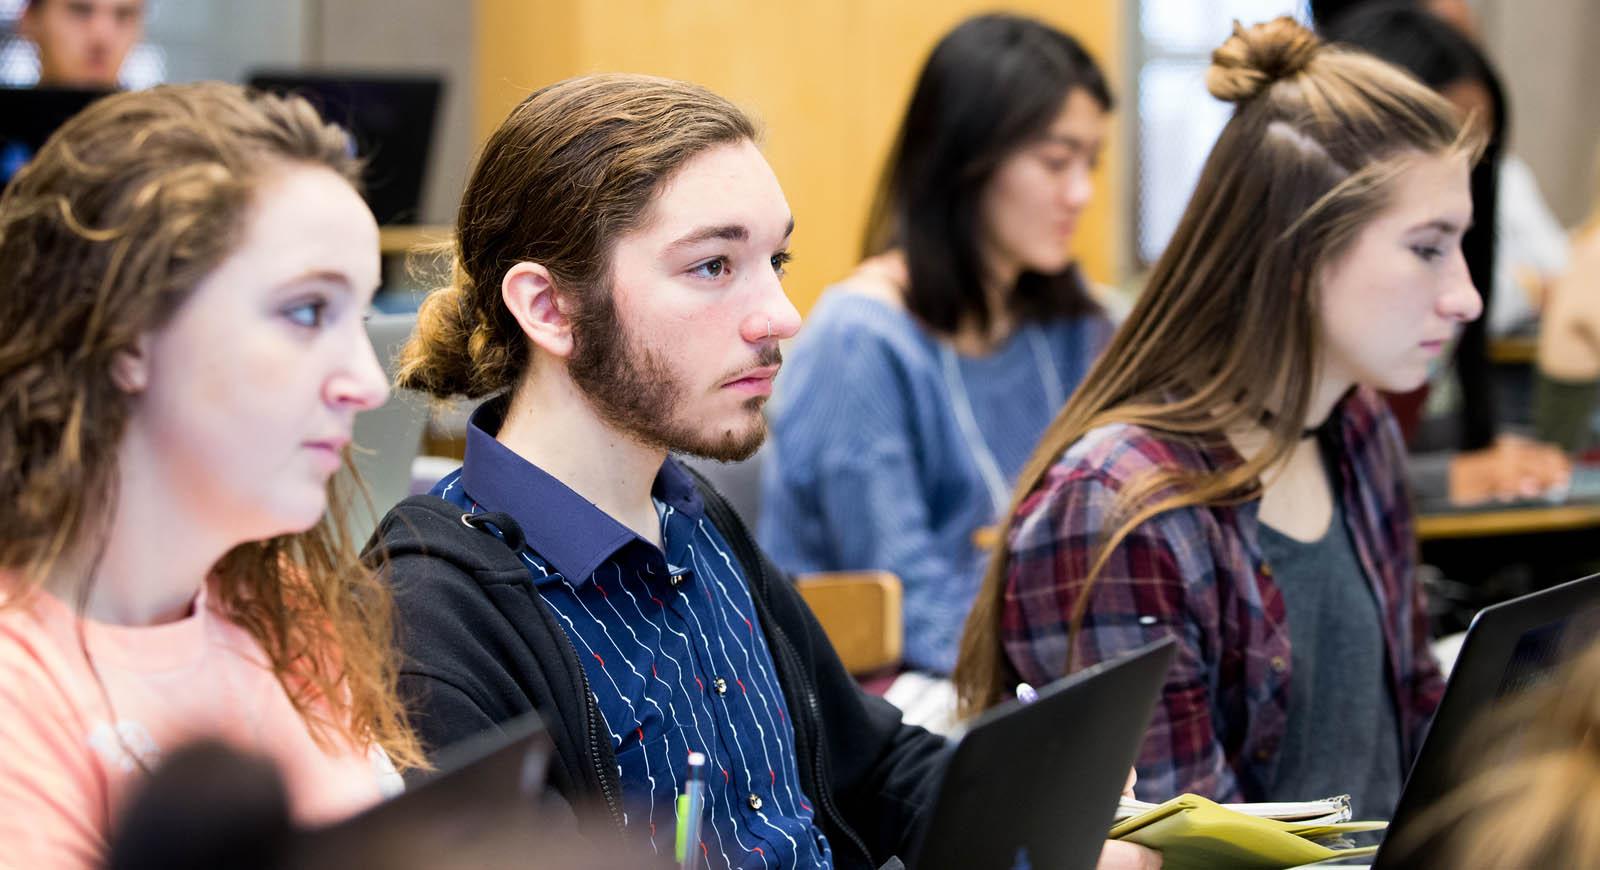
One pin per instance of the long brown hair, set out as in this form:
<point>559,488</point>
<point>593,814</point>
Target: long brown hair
<point>1225,333</point>
<point>104,234</point>
<point>573,167</point>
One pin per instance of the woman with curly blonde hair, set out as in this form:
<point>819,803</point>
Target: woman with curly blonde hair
<point>186,271</point>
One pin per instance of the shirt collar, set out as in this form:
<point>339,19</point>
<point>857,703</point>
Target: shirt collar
<point>561,526</point>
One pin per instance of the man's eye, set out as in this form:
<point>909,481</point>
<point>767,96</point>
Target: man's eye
<point>781,261</point>
<point>713,268</point>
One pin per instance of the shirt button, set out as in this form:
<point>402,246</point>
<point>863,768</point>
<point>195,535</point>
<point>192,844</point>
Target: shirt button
<point>754,801</point>
<point>1263,755</point>
<point>1279,665</point>
<point>720,686</point>
<point>1266,570</point>
<point>676,580</point>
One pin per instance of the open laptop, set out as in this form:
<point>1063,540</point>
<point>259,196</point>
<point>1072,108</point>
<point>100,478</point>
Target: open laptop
<point>29,115</point>
<point>1509,647</point>
<point>1036,785</point>
<point>487,790</point>
<point>392,120</point>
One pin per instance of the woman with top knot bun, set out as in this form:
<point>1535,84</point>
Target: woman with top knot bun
<point>1227,476</point>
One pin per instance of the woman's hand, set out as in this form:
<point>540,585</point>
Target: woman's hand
<point>1513,468</point>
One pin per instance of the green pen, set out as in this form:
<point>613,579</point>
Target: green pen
<point>691,806</point>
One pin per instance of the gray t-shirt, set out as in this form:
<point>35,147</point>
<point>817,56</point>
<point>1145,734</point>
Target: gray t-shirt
<point>1342,735</point>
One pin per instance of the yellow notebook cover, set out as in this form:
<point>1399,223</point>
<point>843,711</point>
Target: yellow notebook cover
<point>1193,833</point>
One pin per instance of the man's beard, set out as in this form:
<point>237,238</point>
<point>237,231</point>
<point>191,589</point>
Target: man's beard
<point>632,388</point>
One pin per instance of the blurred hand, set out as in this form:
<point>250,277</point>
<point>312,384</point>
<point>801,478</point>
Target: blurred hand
<point>1133,777</point>
<point>1513,468</point>
<point>1118,855</point>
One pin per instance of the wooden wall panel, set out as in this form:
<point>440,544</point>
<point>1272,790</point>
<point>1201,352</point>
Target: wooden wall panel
<point>827,78</point>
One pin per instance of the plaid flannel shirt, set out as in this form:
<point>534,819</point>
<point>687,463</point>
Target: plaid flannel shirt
<point>1197,574</point>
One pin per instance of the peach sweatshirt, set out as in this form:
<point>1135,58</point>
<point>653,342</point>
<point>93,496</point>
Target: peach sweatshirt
<point>64,772</point>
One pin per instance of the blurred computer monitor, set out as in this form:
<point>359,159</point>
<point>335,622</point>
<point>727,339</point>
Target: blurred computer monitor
<point>29,115</point>
<point>391,118</point>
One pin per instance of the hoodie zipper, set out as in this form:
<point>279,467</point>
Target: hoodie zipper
<point>824,795</point>
<point>591,713</point>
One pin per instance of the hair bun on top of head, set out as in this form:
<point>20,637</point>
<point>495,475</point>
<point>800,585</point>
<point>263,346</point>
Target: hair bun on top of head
<point>1254,57</point>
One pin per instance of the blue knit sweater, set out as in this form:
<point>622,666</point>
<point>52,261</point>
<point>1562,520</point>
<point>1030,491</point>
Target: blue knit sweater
<point>871,468</point>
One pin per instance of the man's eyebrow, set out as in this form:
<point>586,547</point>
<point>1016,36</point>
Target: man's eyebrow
<point>725,232</point>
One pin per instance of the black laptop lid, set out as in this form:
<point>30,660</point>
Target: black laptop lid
<point>487,783</point>
<point>392,120</point>
<point>29,115</point>
<point>1037,785</point>
<point>1509,648</point>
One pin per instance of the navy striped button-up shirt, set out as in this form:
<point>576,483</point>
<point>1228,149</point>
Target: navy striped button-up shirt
<point>674,653</point>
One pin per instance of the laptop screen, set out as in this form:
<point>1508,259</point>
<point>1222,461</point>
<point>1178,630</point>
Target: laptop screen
<point>1510,648</point>
<point>391,119</point>
<point>29,115</point>
<point>1541,651</point>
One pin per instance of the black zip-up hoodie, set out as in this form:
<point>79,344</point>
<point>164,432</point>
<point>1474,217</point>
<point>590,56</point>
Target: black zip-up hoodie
<point>482,647</point>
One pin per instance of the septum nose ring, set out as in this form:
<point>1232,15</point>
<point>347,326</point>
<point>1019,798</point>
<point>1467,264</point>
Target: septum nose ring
<point>769,327</point>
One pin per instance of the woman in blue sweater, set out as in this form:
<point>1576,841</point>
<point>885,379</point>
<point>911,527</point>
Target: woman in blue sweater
<point>922,381</point>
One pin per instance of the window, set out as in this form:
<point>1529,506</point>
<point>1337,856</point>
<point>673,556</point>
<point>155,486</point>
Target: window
<point>1177,119</point>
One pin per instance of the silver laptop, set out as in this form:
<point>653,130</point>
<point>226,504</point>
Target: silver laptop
<point>387,438</point>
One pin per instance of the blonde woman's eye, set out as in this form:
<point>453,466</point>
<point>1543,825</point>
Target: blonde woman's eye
<point>310,314</point>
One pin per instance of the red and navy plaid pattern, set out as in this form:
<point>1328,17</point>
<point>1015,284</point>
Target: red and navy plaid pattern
<point>1197,574</point>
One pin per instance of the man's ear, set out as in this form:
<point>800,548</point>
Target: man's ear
<point>530,294</point>
<point>130,368</point>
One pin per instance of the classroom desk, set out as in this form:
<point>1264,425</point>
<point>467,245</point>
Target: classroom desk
<point>1497,553</point>
<point>1509,521</point>
<point>1514,350</point>
<point>403,238</point>
<point>1457,524</point>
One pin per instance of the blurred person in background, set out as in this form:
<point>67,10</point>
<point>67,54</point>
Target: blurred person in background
<point>922,380</point>
<point>1569,342</point>
<point>82,43</point>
